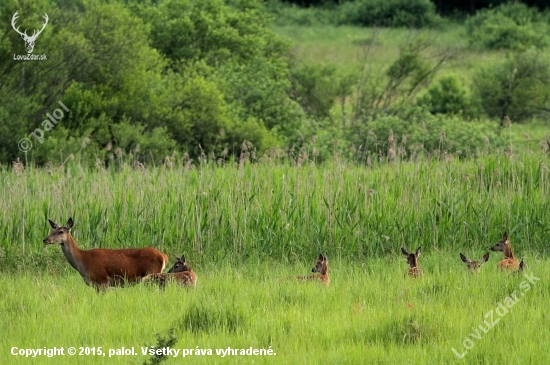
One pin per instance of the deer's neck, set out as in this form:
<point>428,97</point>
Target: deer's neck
<point>324,270</point>
<point>73,254</point>
<point>508,254</point>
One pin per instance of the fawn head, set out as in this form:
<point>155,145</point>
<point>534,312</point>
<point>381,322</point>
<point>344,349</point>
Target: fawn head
<point>180,265</point>
<point>59,234</point>
<point>412,258</point>
<point>321,264</point>
<point>474,265</point>
<point>501,245</point>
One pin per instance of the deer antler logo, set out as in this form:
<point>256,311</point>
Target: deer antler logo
<point>29,40</point>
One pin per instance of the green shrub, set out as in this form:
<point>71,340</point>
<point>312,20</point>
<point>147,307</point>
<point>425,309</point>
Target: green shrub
<point>313,87</point>
<point>291,14</point>
<point>517,86</point>
<point>448,97</point>
<point>389,13</point>
<point>509,26</point>
<point>419,132</point>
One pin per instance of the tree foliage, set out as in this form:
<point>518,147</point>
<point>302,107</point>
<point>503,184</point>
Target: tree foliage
<point>509,26</point>
<point>147,78</point>
<point>516,87</point>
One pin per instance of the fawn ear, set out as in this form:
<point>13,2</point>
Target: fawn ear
<point>486,257</point>
<point>320,258</point>
<point>464,258</point>
<point>325,258</point>
<point>505,236</point>
<point>69,224</point>
<point>418,251</point>
<point>182,259</point>
<point>53,224</point>
<point>404,251</point>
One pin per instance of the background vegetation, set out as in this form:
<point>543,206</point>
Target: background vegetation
<point>268,206</point>
<point>192,78</point>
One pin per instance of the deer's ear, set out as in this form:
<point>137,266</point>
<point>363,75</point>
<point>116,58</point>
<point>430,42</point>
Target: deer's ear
<point>404,251</point>
<point>505,236</point>
<point>486,257</point>
<point>53,224</point>
<point>183,258</point>
<point>418,251</point>
<point>464,258</point>
<point>320,258</point>
<point>69,224</point>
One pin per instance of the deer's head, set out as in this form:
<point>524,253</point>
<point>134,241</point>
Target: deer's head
<point>180,265</point>
<point>59,234</point>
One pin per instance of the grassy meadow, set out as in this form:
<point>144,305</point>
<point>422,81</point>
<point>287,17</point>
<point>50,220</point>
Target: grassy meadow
<point>369,314</point>
<point>243,226</point>
<point>347,46</point>
<point>249,226</point>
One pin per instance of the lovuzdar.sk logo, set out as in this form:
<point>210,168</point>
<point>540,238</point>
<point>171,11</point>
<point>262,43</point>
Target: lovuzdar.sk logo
<point>29,40</point>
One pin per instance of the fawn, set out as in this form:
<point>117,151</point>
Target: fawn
<point>510,262</point>
<point>412,260</point>
<point>474,265</point>
<point>321,267</point>
<point>180,273</point>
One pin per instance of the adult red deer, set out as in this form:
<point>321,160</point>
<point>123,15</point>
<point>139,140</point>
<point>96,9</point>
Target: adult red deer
<point>101,267</point>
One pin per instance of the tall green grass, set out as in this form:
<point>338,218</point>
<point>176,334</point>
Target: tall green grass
<point>279,209</point>
<point>243,226</point>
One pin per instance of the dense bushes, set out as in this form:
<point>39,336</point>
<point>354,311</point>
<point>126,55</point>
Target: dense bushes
<point>156,79</point>
<point>516,87</point>
<point>419,132</point>
<point>382,13</point>
<point>509,26</point>
<point>447,97</point>
<point>147,78</point>
<point>389,13</point>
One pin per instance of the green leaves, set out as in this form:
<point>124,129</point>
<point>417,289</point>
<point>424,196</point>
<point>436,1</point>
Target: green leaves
<point>516,87</point>
<point>194,76</point>
<point>509,26</point>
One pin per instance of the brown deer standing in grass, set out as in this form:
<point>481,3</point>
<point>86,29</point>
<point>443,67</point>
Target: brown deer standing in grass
<point>102,268</point>
<point>321,268</point>
<point>474,265</point>
<point>181,273</point>
<point>412,260</point>
<point>510,262</point>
